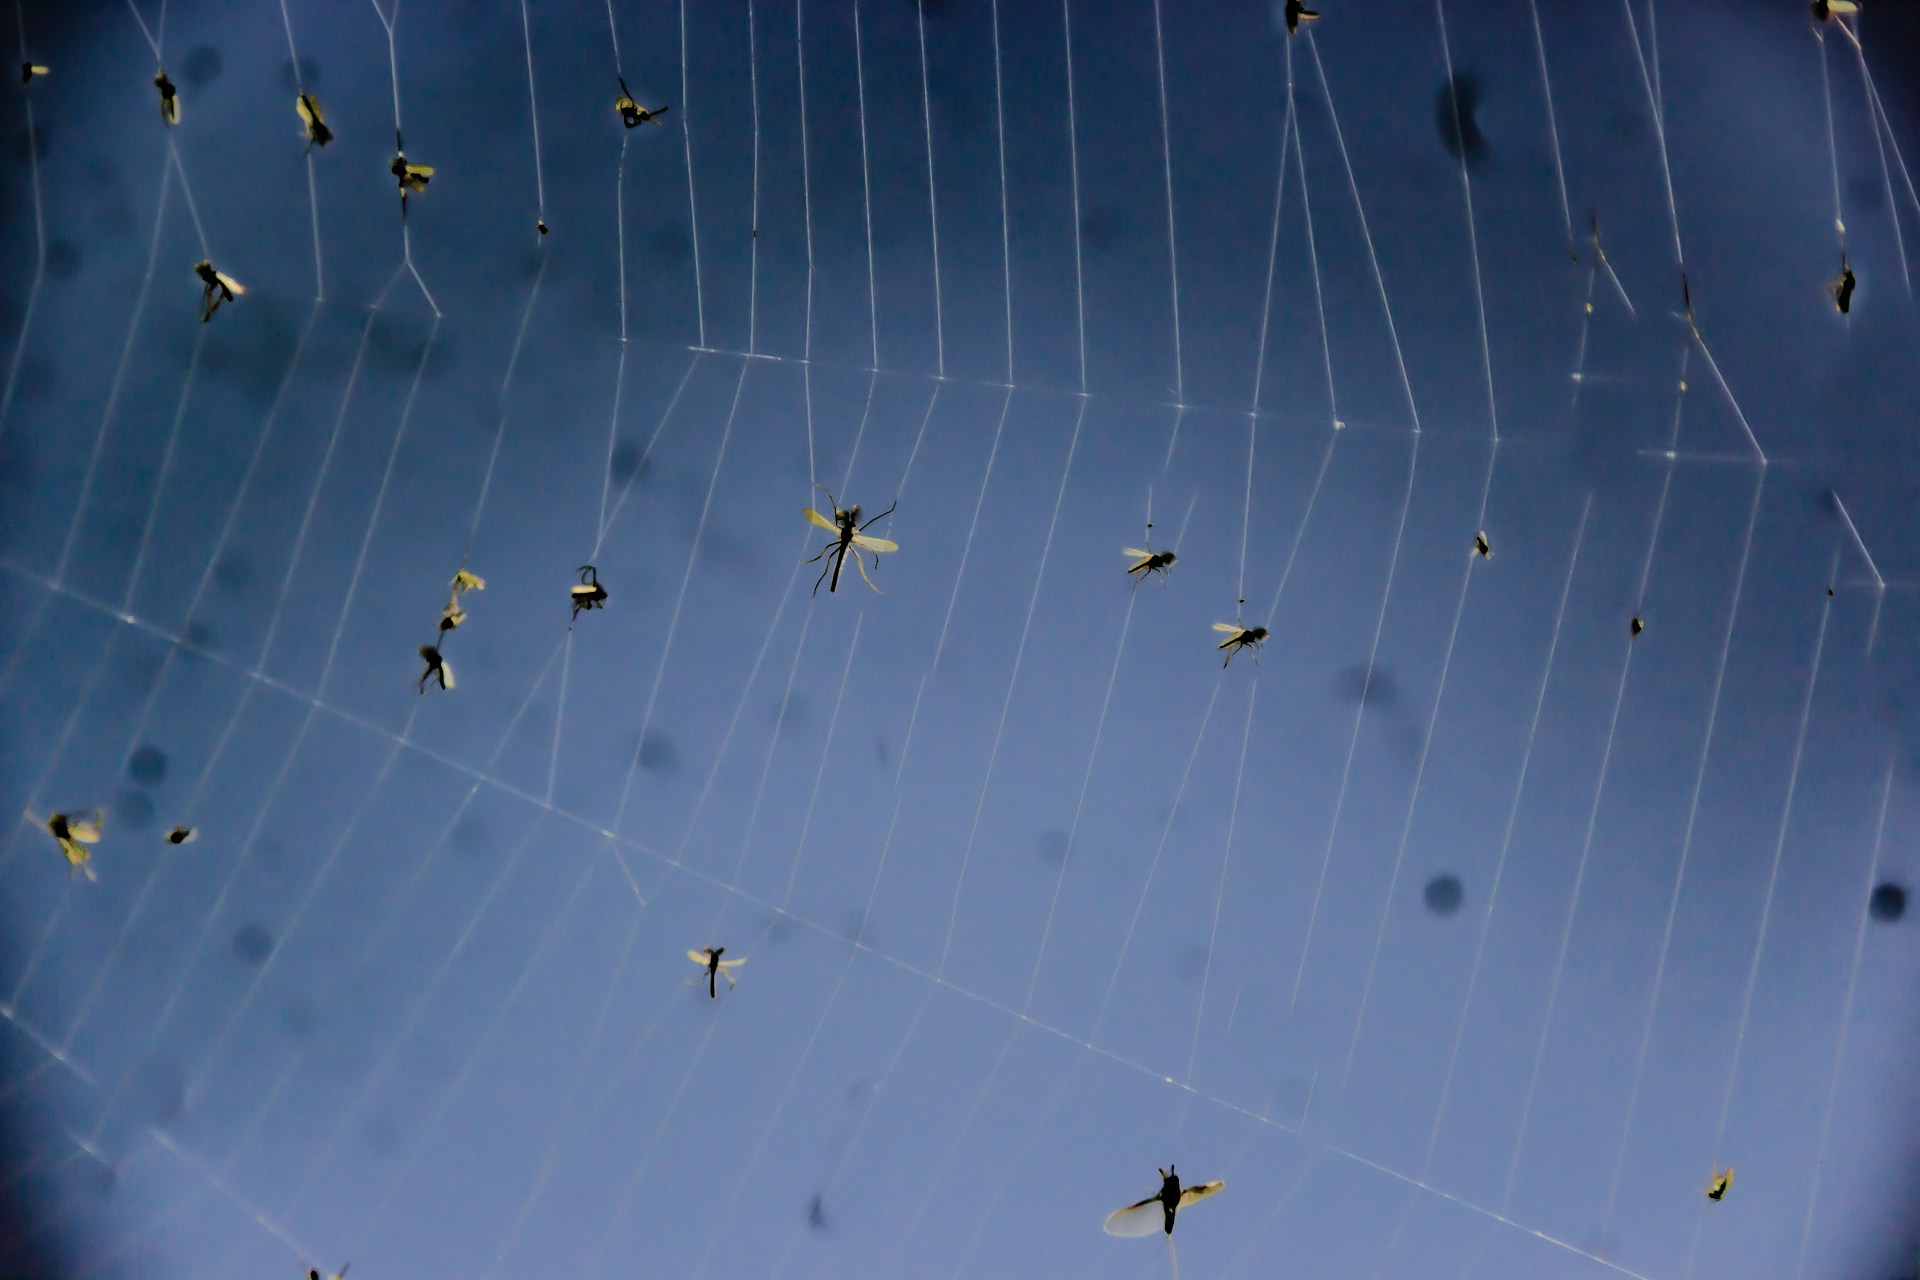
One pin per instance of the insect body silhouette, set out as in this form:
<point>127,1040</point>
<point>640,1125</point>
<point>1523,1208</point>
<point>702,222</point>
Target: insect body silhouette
<point>587,593</point>
<point>1296,12</point>
<point>182,835</point>
<point>437,669</point>
<point>220,287</point>
<point>716,967</point>
<point>1238,638</point>
<point>1718,1184</point>
<point>1158,1210</point>
<point>632,114</point>
<point>1842,287</point>
<point>314,126</point>
<point>75,832</point>
<point>849,535</point>
<point>1147,562</point>
<point>1481,547</point>
<point>169,99</point>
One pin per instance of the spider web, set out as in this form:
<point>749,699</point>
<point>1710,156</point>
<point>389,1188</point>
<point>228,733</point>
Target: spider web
<point>1459,929</point>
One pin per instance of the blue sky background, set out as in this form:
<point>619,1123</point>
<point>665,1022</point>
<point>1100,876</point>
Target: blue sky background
<point>1462,934</point>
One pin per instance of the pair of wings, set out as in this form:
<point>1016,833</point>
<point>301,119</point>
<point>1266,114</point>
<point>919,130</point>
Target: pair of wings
<point>228,283</point>
<point>703,957</point>
<point>309,108</point>
<point>1147,1216</point>
<point>1142,559</point>
<point>84,827</point>
<point>1234,633</point>
<point>859,539</point>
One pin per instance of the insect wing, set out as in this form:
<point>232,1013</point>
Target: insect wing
<point>85,827</point>
<point>875,544</point>
<point>1143,1219</point>
<point>230,284</point>
<point>1192,1194</point>
<point>446,674</point>
<point>698,957</point>
<point>733,964</point>
<point>815,518</point>
<point>1229,628</point>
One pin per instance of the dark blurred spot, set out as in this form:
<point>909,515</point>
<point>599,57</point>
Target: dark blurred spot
<point>306,74</point>
<point>671,244</point>
<point>1053,846</point>
<point>1102,227</point>
<point>657,752</point>
<point>102,1178</point>
<point>25,148</point>
<point>63,259</point>
<point>880,752</point>
<point>133,809</point>
<point>817,1213</point>
<point>629,463</point>
<point>1444,895</point>
<point>296,1015</point>
<point>1453,109</point>
<point>1623,125</point>
<point>147,765</point>
<point>1865,194</point>
<point>232,574</point>
<point>252,944</point>
<point>380,1135</point>
<point>780,929</point>
<point>1888,903</point>
<point>202,66</point>
<point>405,345</point>
<point>196,636</point>
<point>158,1091</point>
<point>794,715</point>
<point>254,352</point>
<point>1373,685</point>
<point>857,1092</point>
<point>470,836</point>
<point>37,377</point>
<point>726,551</point>
<point>1190,962</point>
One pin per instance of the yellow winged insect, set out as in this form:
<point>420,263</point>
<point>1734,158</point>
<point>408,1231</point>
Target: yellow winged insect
<point>1158,1211</point>
<point>1239,637</point>
<point>182,835</point>
<point>218,287</point>
<point>410,176</point>
<point>169,98</point>
<point>28,70</point>
<point>1147,562</point>
<point>849,535</point>
<point>437,669</point>
<point>1841,287</point>
<point>1718,1184</point>
<point>709,959</point>
<point>75,833</point>
<point>314,125</point>
<point>632,114</point>
<point>586,593</point>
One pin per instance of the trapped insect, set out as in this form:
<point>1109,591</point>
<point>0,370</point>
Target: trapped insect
<point>632,114</point>
<point>849,534</point>
<point>314,126</point>
<point>716,967</point>
<point>1147,562</point>
<point>1238,638</point>
<point>220,287</point>
<point>75,832</point>
<point>587,593</point>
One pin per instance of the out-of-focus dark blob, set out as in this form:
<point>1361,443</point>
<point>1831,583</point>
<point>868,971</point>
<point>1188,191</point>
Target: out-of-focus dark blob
<point>1373,685</point>
<point>817,1214</point>
<point>202,66</point>
<point>147,765</point>
<point>1053,846</point>
<point>629,463</point>
<point>305,77</point>
<point>1453,111</point>
<point>252,944</point>
<point>793,715</point>
<point>1888,902</point>
<point>1443,895</point>
<point>658,754</point>
<point>232,574</point>
<point>133,809</point>
<point>63,259</point>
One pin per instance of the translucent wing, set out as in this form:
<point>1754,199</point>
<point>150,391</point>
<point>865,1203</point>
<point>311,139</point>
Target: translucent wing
<point>465,580</point>
<point>875,544</point>
<point>1228,628</point>
<point>1201,1192</point>
<point>309,109</point>
<point>422,171</point>
<point>1143,1219</point>
<point>582,589</point>
<point>85,827</point>
<point>446,673</point>
<point>1137,553</point>
<point>732,964</point>
<point>814,517</point>
<point>232,286</point>
<point>1842,6</point>
<point>698,957</point>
